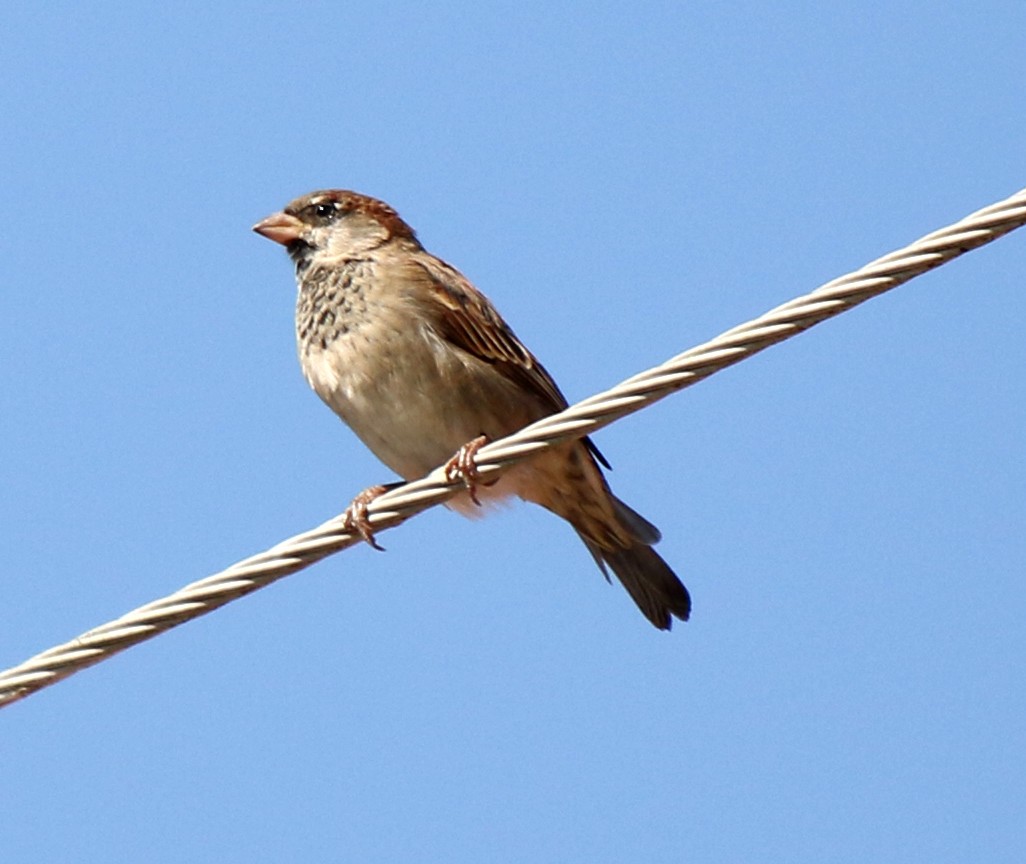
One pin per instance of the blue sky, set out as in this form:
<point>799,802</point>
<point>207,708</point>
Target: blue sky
<point>624,181</point>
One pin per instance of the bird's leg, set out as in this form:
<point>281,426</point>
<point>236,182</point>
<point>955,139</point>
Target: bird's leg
<point>354,518</point>
<point>463,467</point>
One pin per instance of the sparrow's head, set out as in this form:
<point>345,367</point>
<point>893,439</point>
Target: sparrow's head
<point>333,225</point>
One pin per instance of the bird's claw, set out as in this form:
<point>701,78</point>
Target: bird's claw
<point>354,518</point>
<point>463,466</point>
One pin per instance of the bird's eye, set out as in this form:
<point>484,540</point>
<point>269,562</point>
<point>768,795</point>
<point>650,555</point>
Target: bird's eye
<point>325,210</point>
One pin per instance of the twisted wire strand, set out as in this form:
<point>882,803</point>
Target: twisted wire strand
<point>583,418</point>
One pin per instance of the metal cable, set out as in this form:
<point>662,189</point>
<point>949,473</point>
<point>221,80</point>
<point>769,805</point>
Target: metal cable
<point>637,392</point>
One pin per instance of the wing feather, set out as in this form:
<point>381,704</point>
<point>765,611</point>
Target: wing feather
<point>468,320</point>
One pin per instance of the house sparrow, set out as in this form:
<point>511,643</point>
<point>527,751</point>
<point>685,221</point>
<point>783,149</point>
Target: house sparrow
<point>419,364</point>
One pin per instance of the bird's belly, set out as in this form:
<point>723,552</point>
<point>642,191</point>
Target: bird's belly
<point>414,401</point>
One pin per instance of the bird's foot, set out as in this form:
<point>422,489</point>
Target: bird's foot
<point>463,466</point>
<point>354,518</point>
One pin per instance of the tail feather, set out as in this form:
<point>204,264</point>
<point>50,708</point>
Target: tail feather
<point>640,528</point>
<point>653,586</point>
<point>568,482</point>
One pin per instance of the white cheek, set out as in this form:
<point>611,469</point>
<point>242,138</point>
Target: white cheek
<point>352,235</point>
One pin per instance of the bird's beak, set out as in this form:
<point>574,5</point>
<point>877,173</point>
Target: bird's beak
<point>281,228</point>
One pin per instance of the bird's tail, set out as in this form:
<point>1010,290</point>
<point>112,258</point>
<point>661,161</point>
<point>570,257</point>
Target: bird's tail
<point>568,481</point>
<point>653,586</point>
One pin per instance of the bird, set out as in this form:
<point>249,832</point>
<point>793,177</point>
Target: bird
<point>424,370</point>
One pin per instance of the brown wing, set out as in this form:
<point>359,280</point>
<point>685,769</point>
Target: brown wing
<point>472,323</point>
